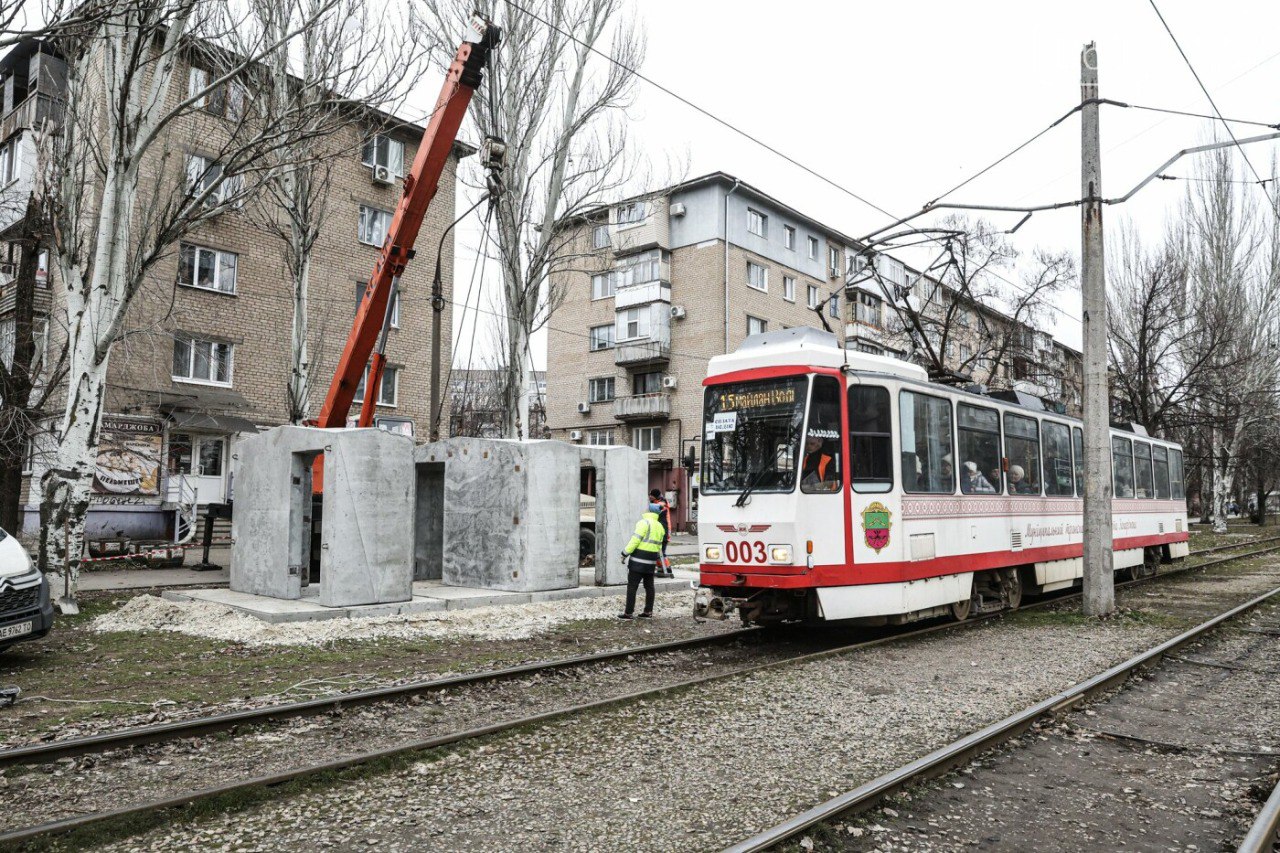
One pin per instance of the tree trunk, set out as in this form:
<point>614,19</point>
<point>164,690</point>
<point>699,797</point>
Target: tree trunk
<point>300,373</point>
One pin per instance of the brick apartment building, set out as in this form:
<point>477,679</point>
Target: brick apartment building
<point>207,359</point>
<point>659,284</point>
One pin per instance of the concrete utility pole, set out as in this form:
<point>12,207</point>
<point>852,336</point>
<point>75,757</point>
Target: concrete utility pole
<point>1099,581</point>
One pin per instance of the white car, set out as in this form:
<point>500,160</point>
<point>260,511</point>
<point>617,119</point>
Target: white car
<point>25,609</point>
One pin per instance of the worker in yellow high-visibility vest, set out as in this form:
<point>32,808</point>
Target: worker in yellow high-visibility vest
<point>641,557</point>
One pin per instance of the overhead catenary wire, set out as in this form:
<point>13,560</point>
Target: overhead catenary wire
<point>1225,124</point>
<point>773,150</point>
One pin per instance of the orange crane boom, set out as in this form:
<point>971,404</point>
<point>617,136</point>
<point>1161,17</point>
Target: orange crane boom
<point>465,74</point>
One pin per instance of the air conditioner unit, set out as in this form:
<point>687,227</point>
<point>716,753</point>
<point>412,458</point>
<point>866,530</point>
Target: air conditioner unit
<point>382,175</point>
<point>669,382</point>
<point>677,209</point>
<point>575,435</point>
<point>584,408</point>
<point>677,312</point>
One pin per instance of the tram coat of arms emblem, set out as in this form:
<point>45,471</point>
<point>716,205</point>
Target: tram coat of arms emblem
<point>876,521</point>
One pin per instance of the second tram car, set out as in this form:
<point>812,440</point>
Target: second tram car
<point>838,485</point>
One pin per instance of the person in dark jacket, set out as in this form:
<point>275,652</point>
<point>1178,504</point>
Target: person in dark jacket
<point>664,518</point>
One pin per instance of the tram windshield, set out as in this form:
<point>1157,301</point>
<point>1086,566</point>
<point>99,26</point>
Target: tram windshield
<point>751,435</point>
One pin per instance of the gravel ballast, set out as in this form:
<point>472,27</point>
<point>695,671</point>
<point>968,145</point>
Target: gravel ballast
<point>701,769</point>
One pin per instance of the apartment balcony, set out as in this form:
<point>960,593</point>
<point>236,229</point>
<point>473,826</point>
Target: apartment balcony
<point>652,231</point>
<point>645,407</point>
<point>30,114</point>
<point>642,293</point>
<point>642,353</point>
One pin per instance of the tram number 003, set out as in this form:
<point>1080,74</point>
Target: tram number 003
<point>746,552</point>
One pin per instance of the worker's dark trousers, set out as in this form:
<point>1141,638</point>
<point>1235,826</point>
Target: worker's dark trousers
<point>637,572</point>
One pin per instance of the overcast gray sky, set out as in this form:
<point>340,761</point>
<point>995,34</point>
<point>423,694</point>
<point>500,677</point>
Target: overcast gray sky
<point>900,101</point>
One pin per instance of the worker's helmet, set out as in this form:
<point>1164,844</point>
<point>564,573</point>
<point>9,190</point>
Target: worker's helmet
<point>655,493</point>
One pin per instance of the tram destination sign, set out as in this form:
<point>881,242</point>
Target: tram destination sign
<point>757,398</point>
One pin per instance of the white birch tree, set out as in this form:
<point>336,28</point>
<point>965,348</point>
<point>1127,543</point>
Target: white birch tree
<point>127,189</point>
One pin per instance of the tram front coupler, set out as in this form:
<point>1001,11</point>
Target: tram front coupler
<point>707,604</point>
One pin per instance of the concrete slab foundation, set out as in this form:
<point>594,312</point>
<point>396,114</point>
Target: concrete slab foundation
<point>510,519</point>
<point>428,596</point>
<point>366,551</point>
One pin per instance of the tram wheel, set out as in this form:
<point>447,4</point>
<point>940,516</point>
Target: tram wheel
<point>1013,588</point>
<point>960,609</point>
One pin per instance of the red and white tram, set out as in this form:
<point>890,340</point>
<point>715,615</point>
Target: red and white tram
<point>837,485</point>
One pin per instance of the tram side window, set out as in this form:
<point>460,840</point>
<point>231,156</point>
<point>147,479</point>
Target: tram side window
<point>870,441</point>
<point>1122,466</point>
<point>1077,443</point>
<point>1057,460</point>
<point>820,467</point>
<point>1142,484</point>
<point>1175,474</point>
<point>1022,447</point>
<point>1160,466</point>
<point>926,444</point>
<point>979,432</point>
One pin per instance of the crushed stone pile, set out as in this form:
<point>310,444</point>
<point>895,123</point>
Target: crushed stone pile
<point>506,622</point>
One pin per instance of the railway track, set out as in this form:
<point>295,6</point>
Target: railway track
<point>964,749</point>
<point>42,753</point>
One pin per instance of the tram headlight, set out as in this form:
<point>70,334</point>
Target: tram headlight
<point>780,554</point>
<point>713,554</point>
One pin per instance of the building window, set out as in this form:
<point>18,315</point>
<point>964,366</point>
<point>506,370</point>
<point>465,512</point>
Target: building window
<point>867,309</point>
<point>601,285</point>
<point>756,326</point>
<point>597,437</point>
<point>1057,460</point>
<point>813,296</point>
<point>1143,485</point>
<point>207,269</point>
<point>647,383</point>
<point>757,223</point>
<point>600,390</point>
<point>198,360</point>
<point>631,213</point>
<point>382,150</point>
<point>226,101</point>
<point>1160,464</point>
<point>788,288</point>
<point>374,222</point>
<point>648,439</point>
<point>395,303</point>
<point>789,237</point>
<point>9,161</point>
<point>966,353</point>
<point>601,337</point>
<point>869,349</point>
<point>757,276</point>
<point>386,388</point>
<point>600,236</point>
<point>204,452</point>
<point>833,306</point>
<point>813,248</point>
<point>633,323</point>
<point>833,260</point>
<point>204,175</point>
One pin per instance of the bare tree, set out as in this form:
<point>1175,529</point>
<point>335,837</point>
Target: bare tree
<point>350,53</point>
<point>1161,350</point>
<point>128,187</point>
<point>557,104</point>
<point>980,295</point>
<point>1233,261</point>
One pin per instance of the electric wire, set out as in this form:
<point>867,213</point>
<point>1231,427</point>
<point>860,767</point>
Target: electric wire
<point>1212,103</point>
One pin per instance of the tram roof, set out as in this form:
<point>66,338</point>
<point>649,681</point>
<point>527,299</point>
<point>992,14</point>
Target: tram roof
<point>810,348</point>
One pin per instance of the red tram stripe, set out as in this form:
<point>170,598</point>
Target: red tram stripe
<point>834,574</point>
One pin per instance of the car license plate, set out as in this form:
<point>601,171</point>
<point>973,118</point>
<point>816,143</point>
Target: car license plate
<point>16,630</point>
